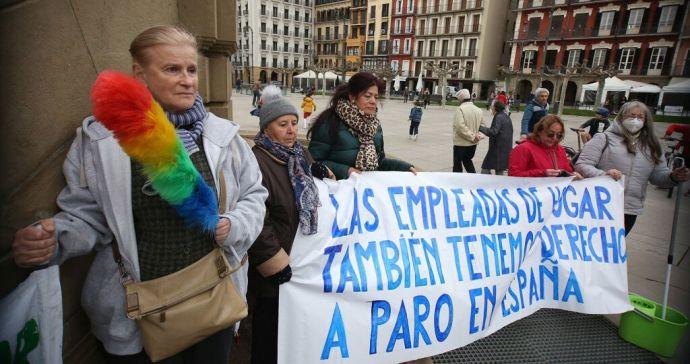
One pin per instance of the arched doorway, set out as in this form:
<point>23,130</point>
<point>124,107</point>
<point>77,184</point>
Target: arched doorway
<point>274,76</point>
<point>549,86</point>
<point>570,93</point>
<point>524,87</point>
<point>262,76</point>
<point>248,76</point>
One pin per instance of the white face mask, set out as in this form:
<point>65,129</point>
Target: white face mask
<point>633,124</point>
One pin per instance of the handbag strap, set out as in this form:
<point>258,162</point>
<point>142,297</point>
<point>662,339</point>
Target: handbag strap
<point>126,278</point>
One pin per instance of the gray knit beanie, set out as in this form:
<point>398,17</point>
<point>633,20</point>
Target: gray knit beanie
<point>275,109</point>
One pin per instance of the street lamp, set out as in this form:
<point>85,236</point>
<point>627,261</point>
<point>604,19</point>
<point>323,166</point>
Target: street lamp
<point>251,50</point>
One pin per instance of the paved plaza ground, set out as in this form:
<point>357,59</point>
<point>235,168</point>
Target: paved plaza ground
<point>647,244</point>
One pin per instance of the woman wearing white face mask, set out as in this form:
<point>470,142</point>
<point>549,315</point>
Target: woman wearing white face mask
<point>629,147</point>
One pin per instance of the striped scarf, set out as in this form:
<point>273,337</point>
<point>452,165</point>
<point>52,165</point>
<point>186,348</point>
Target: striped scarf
<point>190,124</point>
<point>305,191</point>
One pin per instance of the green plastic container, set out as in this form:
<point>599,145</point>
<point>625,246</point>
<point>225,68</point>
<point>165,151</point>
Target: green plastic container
<point>644,327</point>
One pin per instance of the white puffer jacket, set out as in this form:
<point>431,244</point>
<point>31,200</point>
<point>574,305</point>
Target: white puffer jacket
<point>638,168</point>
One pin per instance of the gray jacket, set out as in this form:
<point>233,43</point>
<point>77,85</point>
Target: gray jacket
<point>96,209</point>
<point>638,168</point>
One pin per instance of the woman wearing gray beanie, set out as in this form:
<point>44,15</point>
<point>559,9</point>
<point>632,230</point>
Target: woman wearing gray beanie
<point>288,170</point>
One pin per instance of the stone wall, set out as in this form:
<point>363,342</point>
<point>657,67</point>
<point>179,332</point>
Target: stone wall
<point>51,52</point>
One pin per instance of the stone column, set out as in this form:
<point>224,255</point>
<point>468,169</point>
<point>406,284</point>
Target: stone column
<point>213,22</point>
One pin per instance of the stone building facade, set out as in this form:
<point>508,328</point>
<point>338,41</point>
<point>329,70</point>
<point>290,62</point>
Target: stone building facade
<point>638,37</point>
<point>274,40</point>
<point>467,33</point>
<point>402,36</point>
<point>50,64</point>
<point>377,39</point>
<point>332,21</point>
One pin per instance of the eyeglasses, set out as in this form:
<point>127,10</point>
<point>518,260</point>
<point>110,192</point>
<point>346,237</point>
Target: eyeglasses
<point>551,134</point>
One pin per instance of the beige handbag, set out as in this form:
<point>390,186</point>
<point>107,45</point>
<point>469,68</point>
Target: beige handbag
<point>180,309</point>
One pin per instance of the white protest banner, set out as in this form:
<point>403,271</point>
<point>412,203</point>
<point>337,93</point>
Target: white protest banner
<point>405,267</point>
<point>31,318</point>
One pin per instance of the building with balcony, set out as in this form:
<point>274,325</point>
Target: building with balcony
<point>680,66</point>
<point>332,21</point>
<point>465,33</point>
<point>274,40</point>
<point>402,36</point>
<point>357,32</point>
<point>638,37</point>
<point>377,37</point>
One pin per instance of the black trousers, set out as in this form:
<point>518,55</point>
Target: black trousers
<point>213,349</point>
<point>414,128</point>
<point>255,98</point>
<point>462,156</point>
<point>629,223</point>
<point>265,331</point>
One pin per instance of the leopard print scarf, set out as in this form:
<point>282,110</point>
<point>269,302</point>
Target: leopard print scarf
<point>364,128</point>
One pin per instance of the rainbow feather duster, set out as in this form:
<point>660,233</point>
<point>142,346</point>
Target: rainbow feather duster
<point>125,106</point>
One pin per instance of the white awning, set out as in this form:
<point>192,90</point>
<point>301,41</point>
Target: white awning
<point>308,74</point>
<point>646,89</point>
<point>678,86</point>
<point>611,84</point>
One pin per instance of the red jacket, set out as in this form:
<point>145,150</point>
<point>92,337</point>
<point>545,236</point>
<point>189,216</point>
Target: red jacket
<point>531,159</point>
<point>685,142</point>
<point>502,98</point>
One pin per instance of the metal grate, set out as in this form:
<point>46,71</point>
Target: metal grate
<point>552,336</point>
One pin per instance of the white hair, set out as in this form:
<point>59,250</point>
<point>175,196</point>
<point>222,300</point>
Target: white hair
<point>541,90</point>
<point>463,94</point>
<point>270,93</point>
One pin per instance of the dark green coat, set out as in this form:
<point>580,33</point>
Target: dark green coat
<point>340,153</point>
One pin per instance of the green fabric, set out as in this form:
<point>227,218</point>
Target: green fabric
<point>340,154</point>
<point>164,242</point>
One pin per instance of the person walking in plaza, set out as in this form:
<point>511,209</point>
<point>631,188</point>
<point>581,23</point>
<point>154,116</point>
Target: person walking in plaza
<point>308,107</point>
<point>500,140</point>
<point>504,100</point>
<point>269,93</point>
<point>110,199</point>
<point>256,92</point>
<point>406,95</point>
<point>466,123</point>
<point>629,147</point>
<point>426,97</point>
<point>347,136</point>
<point>490,100</point>
<point>534,111</point>
<point>541,155</point>
<point>287,171</point>
<point>595,125</point>
<point>415,119</point>
<point>238,84</point>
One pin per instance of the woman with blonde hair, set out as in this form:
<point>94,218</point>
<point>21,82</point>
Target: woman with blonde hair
<point>111,206</point>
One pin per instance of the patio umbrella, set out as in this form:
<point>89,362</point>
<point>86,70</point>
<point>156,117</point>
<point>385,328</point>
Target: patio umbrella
<point>420,85</point>
<point>396,84</point>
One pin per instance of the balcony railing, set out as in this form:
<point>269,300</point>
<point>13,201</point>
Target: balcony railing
<point>451,29</point>
<point>459,5</point>
<point>462,52</point>
<point>606,31</point>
